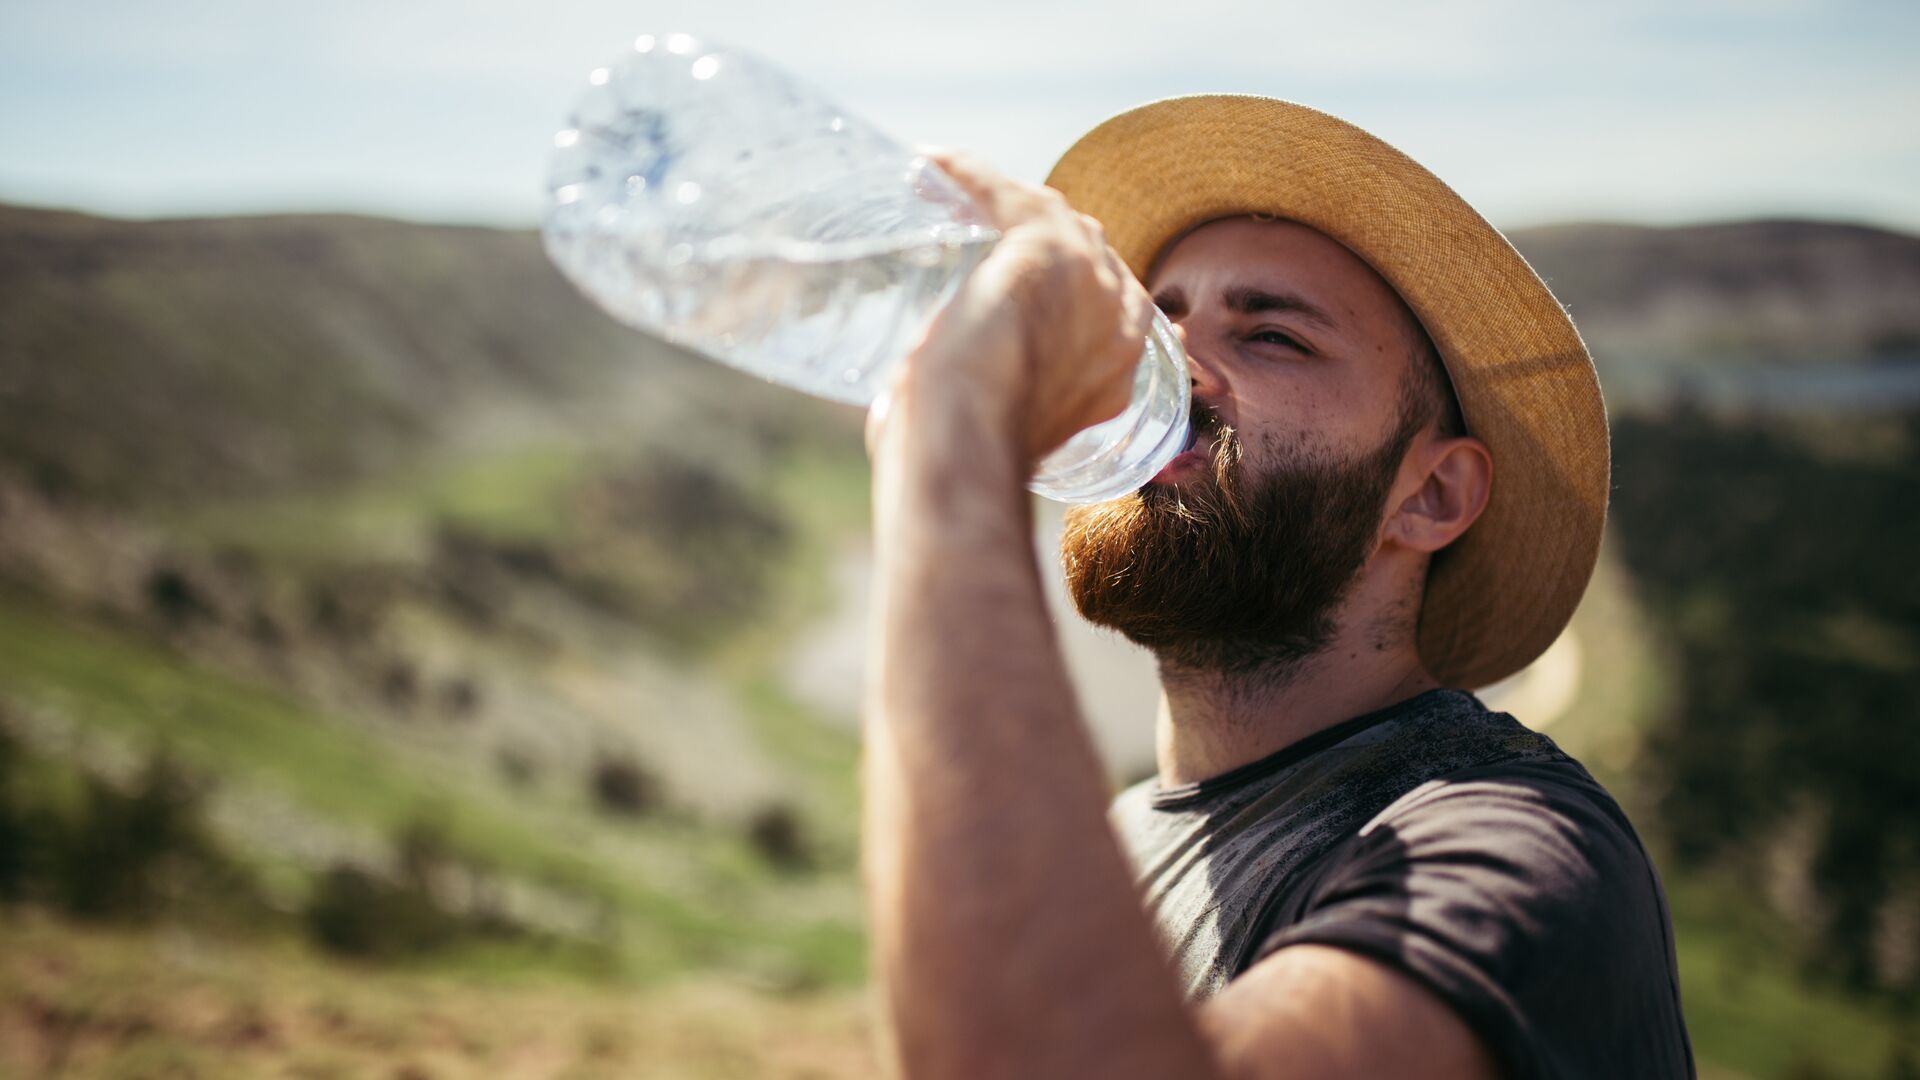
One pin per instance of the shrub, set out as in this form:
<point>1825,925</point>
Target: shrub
<point>356,912</point>
<point>778,834</point>
<point>622,785</point>
<point>124,852</point>
<point>130,854</point>
<point>13,824</point>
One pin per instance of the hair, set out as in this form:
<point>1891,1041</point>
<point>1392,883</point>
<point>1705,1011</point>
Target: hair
<point>1428,397</point>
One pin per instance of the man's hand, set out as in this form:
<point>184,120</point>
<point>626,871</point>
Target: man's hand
<point>1043,337</point>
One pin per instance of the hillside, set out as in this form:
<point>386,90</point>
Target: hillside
<point>179,362</point>
<point>173,362</point>
<point>1750,293</point>
<point>409,591</point>
<point>452,604</point>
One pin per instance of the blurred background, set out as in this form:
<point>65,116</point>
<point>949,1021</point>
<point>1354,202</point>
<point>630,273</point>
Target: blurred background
<point>407,672</point>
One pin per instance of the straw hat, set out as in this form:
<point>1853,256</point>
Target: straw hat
<point>1498,596</point>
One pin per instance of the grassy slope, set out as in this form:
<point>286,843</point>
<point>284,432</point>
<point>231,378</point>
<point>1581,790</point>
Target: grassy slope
<point>78,1001</point>
<point>328,393</point>
<point>198,377</point>
<point>164,364</point>
<point>252,735</point>
<point>1798,292</point>
<point>1750,1010</point>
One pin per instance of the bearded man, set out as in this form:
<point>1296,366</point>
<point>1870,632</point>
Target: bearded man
<point>1346,866</point>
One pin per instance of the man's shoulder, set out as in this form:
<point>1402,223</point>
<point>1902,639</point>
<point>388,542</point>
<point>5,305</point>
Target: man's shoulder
<point>1519,892</point>
<point>1539,843</point>
<point>1525,795</point>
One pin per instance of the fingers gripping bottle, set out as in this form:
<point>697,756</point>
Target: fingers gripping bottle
<point>704,195</point>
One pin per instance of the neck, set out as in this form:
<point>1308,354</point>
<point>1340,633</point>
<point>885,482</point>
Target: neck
<point>1213,720</point>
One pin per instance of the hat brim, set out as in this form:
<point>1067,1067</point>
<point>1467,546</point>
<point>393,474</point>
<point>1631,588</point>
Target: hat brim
<point>1499,595</point>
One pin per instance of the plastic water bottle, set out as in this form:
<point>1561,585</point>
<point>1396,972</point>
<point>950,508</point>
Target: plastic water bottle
<point>704,195</point>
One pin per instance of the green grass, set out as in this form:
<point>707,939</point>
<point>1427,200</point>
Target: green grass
<point>101,678</point>
<point>715,901</point>
<point>89,1001</point>
<point>824,493</point>
<point>508,494</point>
<point>826,490</point>
<point>1750,1010</point>
<point>236,730</point>
<point>823,756</point>
<point>513,495</point>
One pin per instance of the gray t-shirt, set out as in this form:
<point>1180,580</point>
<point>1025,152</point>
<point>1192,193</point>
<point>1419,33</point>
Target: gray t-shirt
<point>1448,842</point>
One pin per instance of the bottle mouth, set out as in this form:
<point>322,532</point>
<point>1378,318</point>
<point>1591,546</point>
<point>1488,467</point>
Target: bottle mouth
<point>1114,459</point>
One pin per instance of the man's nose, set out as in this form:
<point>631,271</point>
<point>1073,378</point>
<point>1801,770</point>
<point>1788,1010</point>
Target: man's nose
<point>1207,381</point>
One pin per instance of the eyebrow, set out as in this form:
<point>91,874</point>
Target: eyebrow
<point>1248,300</point>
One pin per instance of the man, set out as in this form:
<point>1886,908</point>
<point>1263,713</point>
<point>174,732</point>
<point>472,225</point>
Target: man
<point>1350,868</point>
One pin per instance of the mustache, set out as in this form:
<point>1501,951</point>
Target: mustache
<point>1200,503</point>
<point>1205,419</point>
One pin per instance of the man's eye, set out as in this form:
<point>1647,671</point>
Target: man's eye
<point>1275,337</point>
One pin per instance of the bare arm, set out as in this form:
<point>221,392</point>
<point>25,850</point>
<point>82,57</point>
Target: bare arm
<point>1310,1012</point>
<point>1009,940</point>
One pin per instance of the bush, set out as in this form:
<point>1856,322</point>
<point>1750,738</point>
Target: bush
<point>132,854</point>
<point>355,913</point>
<point>1778,570</point>
<point>117,852</point>
<point>13,825</point>
<point>777,833</point>
<point>623,786</point>
<point>358,913</point>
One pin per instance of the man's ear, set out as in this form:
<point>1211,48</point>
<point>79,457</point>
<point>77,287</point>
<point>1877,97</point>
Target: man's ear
<point>1450,479</point>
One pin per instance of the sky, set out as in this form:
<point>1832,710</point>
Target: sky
<point>444,110</point>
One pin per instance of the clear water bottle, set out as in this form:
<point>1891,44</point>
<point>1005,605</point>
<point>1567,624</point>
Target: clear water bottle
<point>704,195</point>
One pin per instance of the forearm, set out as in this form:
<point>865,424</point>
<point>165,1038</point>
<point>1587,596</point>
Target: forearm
<point>1007,934</point>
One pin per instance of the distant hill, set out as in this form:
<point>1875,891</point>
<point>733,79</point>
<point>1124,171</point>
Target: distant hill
<point>170,361</point>
<point>1752,292</point>
<point>157,362</point>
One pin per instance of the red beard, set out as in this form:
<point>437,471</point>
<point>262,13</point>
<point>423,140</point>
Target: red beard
<point>1232,573</point>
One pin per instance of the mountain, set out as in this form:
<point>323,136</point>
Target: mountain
<point>177,361</point>
<point>447,591</point>
<point>1750,292</point>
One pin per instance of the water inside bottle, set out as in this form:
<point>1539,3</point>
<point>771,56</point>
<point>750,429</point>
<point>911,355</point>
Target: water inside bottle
<point>830,322</point>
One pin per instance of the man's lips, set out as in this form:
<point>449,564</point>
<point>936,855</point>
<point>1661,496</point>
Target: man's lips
<point>1198,455</point>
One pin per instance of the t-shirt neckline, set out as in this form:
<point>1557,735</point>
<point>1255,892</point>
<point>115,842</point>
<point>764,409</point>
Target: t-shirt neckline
<point>1183,795</point>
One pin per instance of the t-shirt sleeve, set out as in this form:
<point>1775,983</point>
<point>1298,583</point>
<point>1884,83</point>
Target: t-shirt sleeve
<point>1520,895</point>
